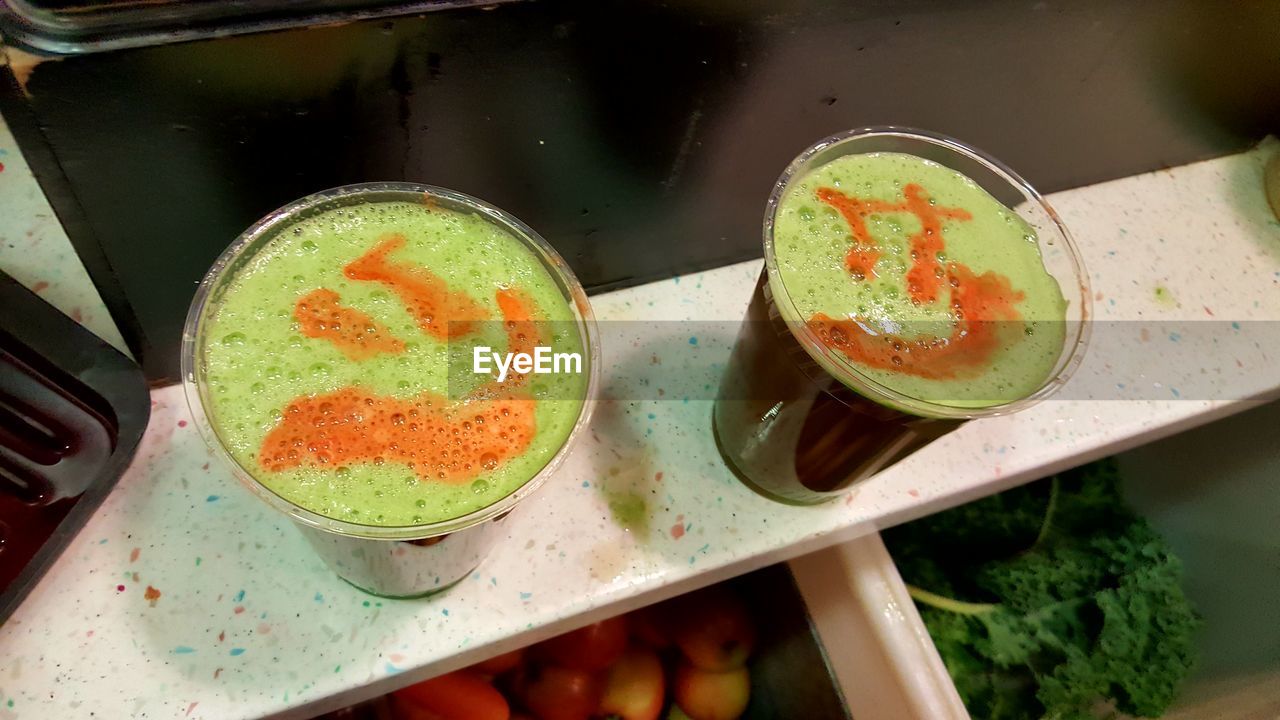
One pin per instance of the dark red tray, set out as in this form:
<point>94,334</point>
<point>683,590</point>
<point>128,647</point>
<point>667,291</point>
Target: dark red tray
<point>72,411</point>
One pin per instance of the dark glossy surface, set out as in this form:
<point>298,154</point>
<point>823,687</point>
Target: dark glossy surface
<point>73,27</point>
<point>793,432</point>
<point>640,139</point>
<point>790,676</point>
<point>51,446</point>
<point>72,411</point>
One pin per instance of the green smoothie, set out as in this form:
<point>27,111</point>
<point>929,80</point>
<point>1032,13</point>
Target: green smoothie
<point>338,364</point>
<point>923,281</point>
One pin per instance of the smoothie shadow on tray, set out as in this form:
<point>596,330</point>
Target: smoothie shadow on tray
<point>910,283</point>
<point>326,358</point>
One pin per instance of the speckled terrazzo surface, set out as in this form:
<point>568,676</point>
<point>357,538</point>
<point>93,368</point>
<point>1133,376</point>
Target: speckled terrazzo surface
<point>36,252</point>
<point>186,597</point>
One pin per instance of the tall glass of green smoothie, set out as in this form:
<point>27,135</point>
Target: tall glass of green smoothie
<point>327,358</point>
<point>911,283</point>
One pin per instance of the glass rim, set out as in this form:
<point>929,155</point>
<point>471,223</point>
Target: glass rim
<point>194,388</point>
<point>850,375</point>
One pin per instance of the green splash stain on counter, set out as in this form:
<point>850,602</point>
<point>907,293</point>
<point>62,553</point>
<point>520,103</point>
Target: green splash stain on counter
<point>630,510</point>
<point>1164,297</point>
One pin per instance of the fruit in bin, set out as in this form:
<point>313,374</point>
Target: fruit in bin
<point>460,695</point>
<point>558,693</point>
<point>714,629</point>
<point>635,687</point>
<point>592,648</point>
<point>709,695</point>
<point>499,664</point>
<point>651,626</point>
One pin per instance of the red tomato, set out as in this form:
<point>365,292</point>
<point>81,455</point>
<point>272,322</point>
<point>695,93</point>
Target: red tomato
<point>460,695</point>
<point>499,664</point>
<point>559,693</point>
<point>594,647</point>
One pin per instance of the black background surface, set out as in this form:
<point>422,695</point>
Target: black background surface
<point>641,139</point>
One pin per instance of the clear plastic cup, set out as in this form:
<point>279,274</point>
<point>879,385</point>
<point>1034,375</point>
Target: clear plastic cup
<point>399,561</point>
<point>797,420</point>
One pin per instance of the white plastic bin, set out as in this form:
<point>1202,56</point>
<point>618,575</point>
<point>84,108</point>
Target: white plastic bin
<point>1214,492</point>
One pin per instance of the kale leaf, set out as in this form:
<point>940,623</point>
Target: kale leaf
<point>1052,600</point>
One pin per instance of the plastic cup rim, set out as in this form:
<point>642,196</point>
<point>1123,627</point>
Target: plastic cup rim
<point>194,389</point>
<point>860,382</point>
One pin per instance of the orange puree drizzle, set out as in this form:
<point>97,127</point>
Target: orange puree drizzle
<point>925,276</point>
<point>862,257</point>
<point>435,438</point>
<point>440,312</point>
<point>357,335</point>
<point>983,305</point>
<point>522,332</point>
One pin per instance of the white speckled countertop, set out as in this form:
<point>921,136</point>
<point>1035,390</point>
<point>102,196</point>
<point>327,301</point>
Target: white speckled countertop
<point>249,623</point>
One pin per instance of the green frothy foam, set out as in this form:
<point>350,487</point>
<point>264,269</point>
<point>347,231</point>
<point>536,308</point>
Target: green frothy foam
<point>258,361</point>
<point>811,240</point>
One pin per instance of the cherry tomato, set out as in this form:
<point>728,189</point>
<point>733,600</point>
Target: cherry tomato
<point>460,695</point>
<point>499,664</point>
<point>559,693</point>
<point>594,647</point>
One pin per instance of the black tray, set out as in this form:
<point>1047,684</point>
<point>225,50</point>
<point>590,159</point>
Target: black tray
<point>72,411</point>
